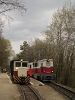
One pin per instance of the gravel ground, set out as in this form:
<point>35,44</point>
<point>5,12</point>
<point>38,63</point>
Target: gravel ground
<point>48,93</point>
<point>8,91</point>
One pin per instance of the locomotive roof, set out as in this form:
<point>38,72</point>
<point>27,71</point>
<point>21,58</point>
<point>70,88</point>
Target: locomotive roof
<point>46,60</point>
<point>18,60</point>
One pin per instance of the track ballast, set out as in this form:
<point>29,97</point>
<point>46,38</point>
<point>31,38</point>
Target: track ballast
<point>63,89</point>
<point>28,93</point>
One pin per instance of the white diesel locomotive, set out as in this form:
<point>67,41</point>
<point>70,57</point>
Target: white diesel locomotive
<point>18,71</point>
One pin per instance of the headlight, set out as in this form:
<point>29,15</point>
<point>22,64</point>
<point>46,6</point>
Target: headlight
<point>16,68</point>
<point>52,71</point>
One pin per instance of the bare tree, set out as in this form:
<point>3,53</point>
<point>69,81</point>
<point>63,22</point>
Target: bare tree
<point>8,5</point>
<point>61,33</point>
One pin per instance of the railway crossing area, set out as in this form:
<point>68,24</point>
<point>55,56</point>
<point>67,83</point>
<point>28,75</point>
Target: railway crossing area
<point>10,91</point>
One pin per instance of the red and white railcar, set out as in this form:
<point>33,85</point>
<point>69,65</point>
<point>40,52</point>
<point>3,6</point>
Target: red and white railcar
<point>42,70</point>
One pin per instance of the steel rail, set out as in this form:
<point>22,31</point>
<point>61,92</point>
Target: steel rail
<point>35,92</point>
<point>70,93</point>
<point>28,93</point>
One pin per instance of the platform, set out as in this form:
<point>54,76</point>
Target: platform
<point>8,91</point>
<point>47,92</point>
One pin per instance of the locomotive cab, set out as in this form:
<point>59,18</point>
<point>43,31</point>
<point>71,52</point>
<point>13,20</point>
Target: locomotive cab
<point>21,67</point>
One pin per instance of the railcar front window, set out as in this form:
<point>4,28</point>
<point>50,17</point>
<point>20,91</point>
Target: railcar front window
<point>48,63</point>
<point>24,64</point>
<point>18,64</point>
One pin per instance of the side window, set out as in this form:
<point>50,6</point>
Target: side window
<point>30,66</point>
<point>34,64</point>
<point>41,64</point>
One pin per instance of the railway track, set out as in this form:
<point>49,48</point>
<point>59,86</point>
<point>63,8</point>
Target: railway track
<point>70,93</point>
<point>28,93</point>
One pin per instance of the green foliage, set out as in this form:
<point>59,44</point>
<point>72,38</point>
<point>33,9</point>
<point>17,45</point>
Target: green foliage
<point>38,50</point>
<point>25,50</point>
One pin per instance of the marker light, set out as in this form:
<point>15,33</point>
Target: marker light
<point>21,60</point>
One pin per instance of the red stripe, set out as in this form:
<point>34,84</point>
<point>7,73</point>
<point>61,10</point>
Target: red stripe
<point>15,73</point>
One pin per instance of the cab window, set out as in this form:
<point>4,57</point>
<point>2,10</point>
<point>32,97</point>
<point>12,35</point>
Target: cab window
<point>24,64</point>
<point>17,64</point>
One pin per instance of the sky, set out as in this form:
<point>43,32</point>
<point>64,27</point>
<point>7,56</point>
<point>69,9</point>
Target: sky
<point>32,24</point>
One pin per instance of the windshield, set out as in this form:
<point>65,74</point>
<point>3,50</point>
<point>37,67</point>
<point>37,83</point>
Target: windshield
<point>49,63</point>
<point>24,64</point>
<point>18,64</point>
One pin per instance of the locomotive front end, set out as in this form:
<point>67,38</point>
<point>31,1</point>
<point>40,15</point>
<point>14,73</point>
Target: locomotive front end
<point>20,69</point>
